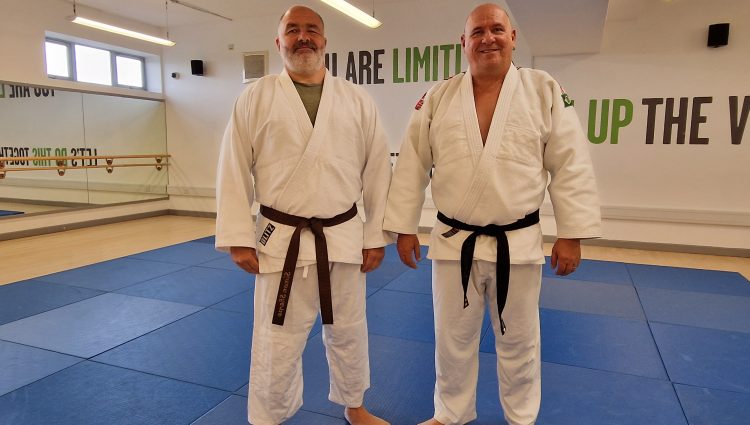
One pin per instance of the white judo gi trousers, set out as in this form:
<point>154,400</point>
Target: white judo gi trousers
<point>275,391</point>
<point>457,335</point>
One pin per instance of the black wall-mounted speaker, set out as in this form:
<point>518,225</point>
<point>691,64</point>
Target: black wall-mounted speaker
<point>718,35</point>
<point>196,67</point>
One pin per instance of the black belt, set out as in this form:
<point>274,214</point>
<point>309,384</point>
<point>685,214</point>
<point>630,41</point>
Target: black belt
<point>503,254</point>
<point>321,258</point>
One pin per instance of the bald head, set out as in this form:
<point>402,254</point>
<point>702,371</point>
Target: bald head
<point>298,8</point>
<point>483,9</point>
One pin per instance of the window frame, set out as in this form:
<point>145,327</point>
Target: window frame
<point>109,54</point>
<point>72,75</point>
<point>115,79</point>
<point>113,55</point>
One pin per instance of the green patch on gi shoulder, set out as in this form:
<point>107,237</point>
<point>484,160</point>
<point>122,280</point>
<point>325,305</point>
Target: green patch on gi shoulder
<point>567,101</point>
<point>2,90</point>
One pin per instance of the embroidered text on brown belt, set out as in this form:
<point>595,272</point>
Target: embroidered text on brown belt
<point>503,254</point>
<point>321,258</point>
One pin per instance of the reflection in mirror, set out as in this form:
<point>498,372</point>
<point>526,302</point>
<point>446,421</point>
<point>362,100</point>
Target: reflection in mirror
<point>119,127</point>
<point>115,148</point>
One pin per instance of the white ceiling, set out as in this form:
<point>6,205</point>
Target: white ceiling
<point>153,12</point>
<point>560,27</point>
<point>551,27</point>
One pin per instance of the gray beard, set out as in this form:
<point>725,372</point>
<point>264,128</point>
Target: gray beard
<point>305,65</point>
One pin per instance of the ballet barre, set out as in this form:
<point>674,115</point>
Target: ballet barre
<point>9,164</point>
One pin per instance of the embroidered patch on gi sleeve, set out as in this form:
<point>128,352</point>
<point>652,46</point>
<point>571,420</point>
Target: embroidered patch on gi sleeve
<point>419,104</point>
<point>567,101</point>
<point>267,234</point>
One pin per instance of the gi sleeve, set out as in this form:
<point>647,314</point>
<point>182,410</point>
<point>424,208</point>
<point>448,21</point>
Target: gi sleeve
<point>234,186</point>
<point>376,178</point>
<point>412,174</point>
<point>572,185</point>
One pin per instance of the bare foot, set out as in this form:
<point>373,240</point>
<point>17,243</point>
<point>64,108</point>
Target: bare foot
<point>432,421</point>
<point>360,416</point>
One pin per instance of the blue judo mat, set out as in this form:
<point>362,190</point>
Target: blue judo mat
<point>167,334</point>
<point>6,212</point>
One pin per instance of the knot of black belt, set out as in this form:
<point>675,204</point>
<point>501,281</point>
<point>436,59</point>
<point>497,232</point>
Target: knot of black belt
<point>316,225</point>
<point>503,254</point>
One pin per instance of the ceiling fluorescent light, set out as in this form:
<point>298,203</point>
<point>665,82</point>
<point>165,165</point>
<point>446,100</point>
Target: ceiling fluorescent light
<point>121,31</point>
<point>353,12</point>
<point>199,9</point>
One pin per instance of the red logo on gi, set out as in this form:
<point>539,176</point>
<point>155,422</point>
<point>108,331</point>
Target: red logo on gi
<point>419,104</point>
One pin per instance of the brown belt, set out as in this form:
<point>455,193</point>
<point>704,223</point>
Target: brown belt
<point>321,258</point>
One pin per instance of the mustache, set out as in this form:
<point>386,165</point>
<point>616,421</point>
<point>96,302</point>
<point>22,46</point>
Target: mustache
<point>304,44</point>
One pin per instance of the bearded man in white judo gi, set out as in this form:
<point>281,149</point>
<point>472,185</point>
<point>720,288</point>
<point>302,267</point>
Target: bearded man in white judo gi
<point>493,135</point>
<point>306,146</point>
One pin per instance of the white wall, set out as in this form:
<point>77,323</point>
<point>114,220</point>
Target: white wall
<point>198,107</point>
<point>681,194</point>
<point>675,194</point>
<point>22,35</point>
<point>653,192</point>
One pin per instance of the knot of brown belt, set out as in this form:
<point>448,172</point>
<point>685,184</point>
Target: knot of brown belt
<point>502,262</point>
<point>316,225</point>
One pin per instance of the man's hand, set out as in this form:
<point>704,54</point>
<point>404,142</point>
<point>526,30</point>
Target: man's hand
<point>566,256</point>
<point>246,258</point>
<point>371,259</point>
<point>408,249</point>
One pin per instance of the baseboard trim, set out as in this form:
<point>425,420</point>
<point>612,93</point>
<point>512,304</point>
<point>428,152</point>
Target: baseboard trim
<point>667,247</point>
<point>79,225</point>
<point>668,215</point>
<point>46,203</point>
<point>188,213</point>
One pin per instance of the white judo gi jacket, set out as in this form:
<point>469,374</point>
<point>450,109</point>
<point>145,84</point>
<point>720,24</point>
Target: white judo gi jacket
<point>534,135</point>
<point>272,154</point>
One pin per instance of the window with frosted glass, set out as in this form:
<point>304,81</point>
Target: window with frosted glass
<point>79,62</point>
<point>93,65</point>
<point>129,71</point>
<point>56,55</point>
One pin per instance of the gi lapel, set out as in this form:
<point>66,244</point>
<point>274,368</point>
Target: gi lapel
<point>315,137</point>
<point>482,155</point>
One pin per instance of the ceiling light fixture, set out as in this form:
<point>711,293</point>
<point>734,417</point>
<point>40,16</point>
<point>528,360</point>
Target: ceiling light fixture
<point>118,30</point>
<point>354,12</point>
<point>199,9</point>
<point>122,31</point>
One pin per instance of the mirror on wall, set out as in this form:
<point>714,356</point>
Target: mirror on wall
<point>42,123</point>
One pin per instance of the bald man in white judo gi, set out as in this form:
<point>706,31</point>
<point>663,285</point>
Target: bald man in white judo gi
<point>495,136</point>
<point>306,146</point>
